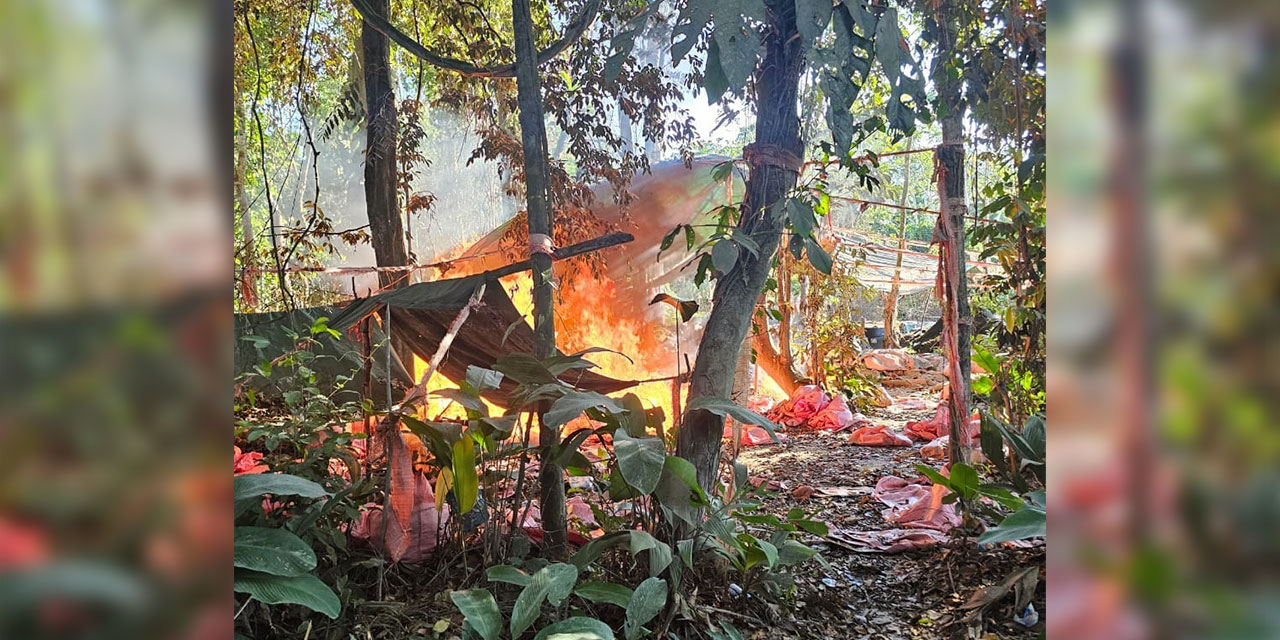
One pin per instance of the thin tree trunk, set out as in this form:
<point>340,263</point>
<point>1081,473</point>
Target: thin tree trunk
<point>386,230</point>
<point>249,246</point>
<point>784,306</point>
<point>951,161</point>
<point>736,293</point>
<point>891,302</point>
<point>533,134</point>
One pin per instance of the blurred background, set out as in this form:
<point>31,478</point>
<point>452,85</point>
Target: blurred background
<point>115,319</point>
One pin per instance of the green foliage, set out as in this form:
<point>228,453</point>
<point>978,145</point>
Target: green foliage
<point>480,612</point>
<point>272,564</point>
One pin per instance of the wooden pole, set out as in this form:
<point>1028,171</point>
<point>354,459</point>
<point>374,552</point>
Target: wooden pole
<point>533,136</point>
<point>891,302</point>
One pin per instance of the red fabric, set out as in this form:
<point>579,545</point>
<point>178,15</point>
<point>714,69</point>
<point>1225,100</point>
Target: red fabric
<point>248,463</point>
<point>752,435</point>
<point>887,360</point>
<point>915,505</point>
<point>878,436</point>
<point>836,416</point>
<point>409,543</point>
<point>938,426</point>
<point>805,403</point>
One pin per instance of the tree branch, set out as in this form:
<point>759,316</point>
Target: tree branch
<point>575,30</point>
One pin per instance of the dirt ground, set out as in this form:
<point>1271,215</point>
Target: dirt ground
<point>915,594</point>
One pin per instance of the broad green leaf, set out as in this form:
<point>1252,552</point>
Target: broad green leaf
<point>508,574</point>
<point>1027,522</point>
<point>607,592</point>
<point>305,590</point>
<point>1034,433</point>
<point>993,443</point>
<point>274,551</point>
<point>640,459</point>
<point>553,582</point>
<point>481,379</point>
<point>573,403</point>
<point>714,81</point>
<point>659,552</point>
<point>812,18</point>
<point>524,369</point>
<point>725,407</point>
<point>818,257</point>
<point>649,599</point>
<point>964,480</point>
<point>466,484</point>
<point>576,628</point>
<point>634,418</point>
<point>792,552</point>
<point>737,46</point>
<point>276,484</point>
<point>592,550</point>
<point>724,254</point>
<point>480,611</point>
<point>770,552</point>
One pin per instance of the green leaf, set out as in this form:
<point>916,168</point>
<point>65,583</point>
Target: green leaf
<point>573,403</point>
<point>251,486</point>
<point>508,574</point>
<point>813,526</point>
<point>1034,433</point>
<point>725,407</point>
<point>724,254</point>
<point>481,379</point>
<point>640,459</point>
<point>737,46</point>
<point>524,369</point>
<point>591,551</point>
<point>669,239</point>
<point>576,628</point>
<point>1027,522</point>
<point>634,418</point>
<point>648,601</point>
<point>607,592</point>
<point>480,611</point>
<point>818,257</point>
<point>659,552</point>
<point>274,551</point>
<point>812,18</point>
<point>770,552</point>
<point>713,77</point>
<point>553,582</point>
<point>305,590</point>
<point>964,480</point>
<point>993,443</point>
<point>466,484</point>
<point>792,552</point>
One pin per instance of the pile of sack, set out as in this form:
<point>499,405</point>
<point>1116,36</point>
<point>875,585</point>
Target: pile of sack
<point>811,407</point>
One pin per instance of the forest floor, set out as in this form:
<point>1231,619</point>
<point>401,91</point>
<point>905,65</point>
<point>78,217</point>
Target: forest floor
<point>914,594</point>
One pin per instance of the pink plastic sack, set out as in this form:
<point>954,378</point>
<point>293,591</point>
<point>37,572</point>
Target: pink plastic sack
<point>805,403</point>
<point>752,435</point>
<point>887,360</point>
<point>878,436</point>
<point>915,505</point>
<point>836,416</point>
<point>936,449</point>
<point>416,542</point>
<point>937,426</point>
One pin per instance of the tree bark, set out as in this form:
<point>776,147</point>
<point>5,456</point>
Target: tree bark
<point>951,160</point>
<point>784,307</point>
<point>768,358</point>
<point>249,247</point>
<point>736,293</point>
<point>386,229</point>
<point>533,134</point>
<point>891,302</point>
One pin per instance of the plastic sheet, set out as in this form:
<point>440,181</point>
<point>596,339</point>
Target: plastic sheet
<point>878,436</point>
<point>836,416</point>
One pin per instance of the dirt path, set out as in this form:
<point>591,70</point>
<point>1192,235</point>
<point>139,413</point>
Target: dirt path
<point>915,594</point>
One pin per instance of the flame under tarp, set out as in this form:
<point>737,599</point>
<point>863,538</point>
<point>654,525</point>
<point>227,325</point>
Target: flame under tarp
<point>421,315</point>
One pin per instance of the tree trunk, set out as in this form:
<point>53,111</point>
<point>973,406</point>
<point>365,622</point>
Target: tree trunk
<point>951,191</point>
<point>386,230</point>
<point>784,307</point>
<point>533,138</point>
<point>891,302</point>
<point>768,358</point>
<point>249,247</point>
<point>736,293</point>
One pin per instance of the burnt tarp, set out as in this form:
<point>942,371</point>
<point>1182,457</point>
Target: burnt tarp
<point>421,314</point>
<point>263,337</point>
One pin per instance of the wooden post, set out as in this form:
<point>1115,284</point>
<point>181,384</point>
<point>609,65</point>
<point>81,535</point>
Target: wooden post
<point>891,301</point>
<point>533,136</point>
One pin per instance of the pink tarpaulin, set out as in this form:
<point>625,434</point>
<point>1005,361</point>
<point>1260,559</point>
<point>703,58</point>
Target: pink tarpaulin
<point>805,403</point>
<point>413,542</point>
<point>938,426</point>
<point>887,360</point>
<point>752,435</point>
<point>836,416</point>
<point>915,504</point>
<point>878,436</point>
